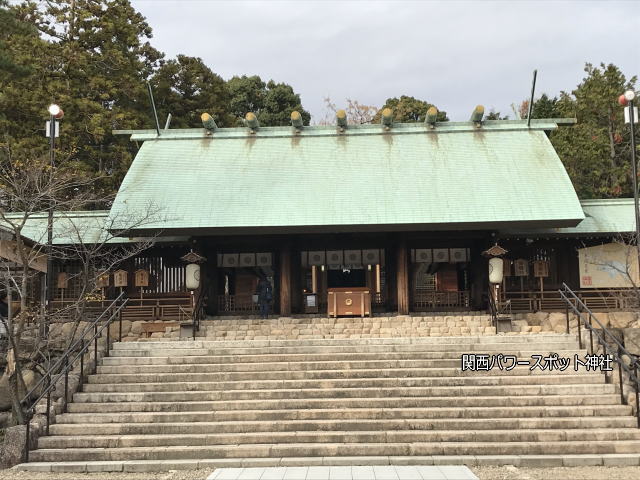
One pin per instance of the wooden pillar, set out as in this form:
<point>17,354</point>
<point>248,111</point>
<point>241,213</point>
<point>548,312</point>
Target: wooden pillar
<point>391,289</point>
<point>285,282</point>
<point>296,282</point>
<point>210,281</point>
<point>402,275</point>
<point>314,279</point>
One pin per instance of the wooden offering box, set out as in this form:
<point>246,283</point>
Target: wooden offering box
<point>349,302</point>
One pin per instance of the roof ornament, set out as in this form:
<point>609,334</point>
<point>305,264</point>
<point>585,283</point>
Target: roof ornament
<point>432,116</point>
<point>296,121</point>
<point>251,122</point>
<point>208,123</point>
<point>341,120</point>
<point>193,257</point>
<point>495,251</point>
<point>386,118</point>
<point>476,115</point>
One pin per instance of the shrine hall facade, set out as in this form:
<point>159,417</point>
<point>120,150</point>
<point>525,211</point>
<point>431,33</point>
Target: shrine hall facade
<point>401,211</point>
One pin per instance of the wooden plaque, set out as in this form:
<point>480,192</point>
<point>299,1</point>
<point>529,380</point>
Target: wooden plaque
<point>521,267</point>
<point>120,278</point>
<point>141,278</point>
<point>63,280</point>
<point>541,268</point>
<point>103,280</point>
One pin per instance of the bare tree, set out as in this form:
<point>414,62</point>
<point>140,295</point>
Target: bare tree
<point>29,187</point>
<point>357,113</point>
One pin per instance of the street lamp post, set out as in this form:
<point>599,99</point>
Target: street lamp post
<point>55,113</point>
<point>626,100</point>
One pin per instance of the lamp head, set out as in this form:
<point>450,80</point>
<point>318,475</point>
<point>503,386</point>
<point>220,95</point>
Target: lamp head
<point>629,95</point>
<point>55,111</point>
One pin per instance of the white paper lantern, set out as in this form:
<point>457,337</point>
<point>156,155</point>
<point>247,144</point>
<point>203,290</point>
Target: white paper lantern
<point>495,270</point>
<point>192,276</point>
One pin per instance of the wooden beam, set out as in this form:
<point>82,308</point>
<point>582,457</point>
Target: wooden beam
<point>402,275</point>
<point>285,282</point>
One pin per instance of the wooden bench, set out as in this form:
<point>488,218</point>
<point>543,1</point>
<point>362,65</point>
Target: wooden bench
<point>153,327</point>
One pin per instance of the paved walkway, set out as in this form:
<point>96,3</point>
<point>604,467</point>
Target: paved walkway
<point>382,472</point>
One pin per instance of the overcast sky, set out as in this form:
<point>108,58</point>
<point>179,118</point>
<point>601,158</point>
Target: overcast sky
<point>454,54</point>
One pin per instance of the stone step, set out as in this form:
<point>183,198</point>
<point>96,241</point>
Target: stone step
<point>378,436</point>
<point>400,413</point>
<point>368,387</point>
<point>340,449</point>
<point>271,409</point>
<point>301,358</point>
<point>345,424</point>
<point>538,461</point>
<point>345,383</point>
<point>134,351</point>
<point>367,342</point>
<point>315,377</point>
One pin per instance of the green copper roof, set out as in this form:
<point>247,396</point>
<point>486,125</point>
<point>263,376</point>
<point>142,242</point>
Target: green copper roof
<point>602,217</point>
<point>366,178</point>
<point>70,228</point>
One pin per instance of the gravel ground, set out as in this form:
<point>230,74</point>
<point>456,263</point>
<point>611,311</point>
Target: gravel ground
<point>484,473</point>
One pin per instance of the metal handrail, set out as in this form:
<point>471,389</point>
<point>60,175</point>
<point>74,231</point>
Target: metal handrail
<point>67,352</point>
<point>574,303</point>
<point>68,359</point>
<point>197,314</point>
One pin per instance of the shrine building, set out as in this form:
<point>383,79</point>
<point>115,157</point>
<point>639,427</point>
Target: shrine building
<point>401,211</point>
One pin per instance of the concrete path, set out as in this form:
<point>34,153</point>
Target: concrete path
<point>378,472</point>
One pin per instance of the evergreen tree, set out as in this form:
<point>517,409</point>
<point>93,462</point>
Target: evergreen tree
<point>595,152</point>
<point>186,87</point>
<point>92,58</point>
<point>271,102</point>
<point>409,110</point>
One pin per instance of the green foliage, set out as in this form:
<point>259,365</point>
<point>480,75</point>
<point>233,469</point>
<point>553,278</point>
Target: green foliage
<point>91,58</point>
<point>409,110</point>
<point>271,102</point>
<point>10,66</point>
<point>546,107</point>
<point>186,87</point>
<point>493,115</point>
<point>595,152</point>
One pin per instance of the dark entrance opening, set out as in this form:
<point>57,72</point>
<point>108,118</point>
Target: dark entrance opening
<point>346,278</point>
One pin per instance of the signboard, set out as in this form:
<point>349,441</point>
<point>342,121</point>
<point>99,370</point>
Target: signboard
<point>63,280</point>
<point>120,278</point>
<point>540,268</point>
<point>521,267</point>
<point>141,278</point>
<point>103,280</point>
<point>612,265</point>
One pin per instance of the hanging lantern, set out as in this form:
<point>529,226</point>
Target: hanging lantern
<point>495,270</point>
<point>192,276</point>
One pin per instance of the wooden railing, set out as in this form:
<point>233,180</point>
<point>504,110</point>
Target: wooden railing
<point>237,304</point>
<point>550,300</point>
<point>436,300</point>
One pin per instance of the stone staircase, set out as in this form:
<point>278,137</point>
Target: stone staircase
<point>195,404</point>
